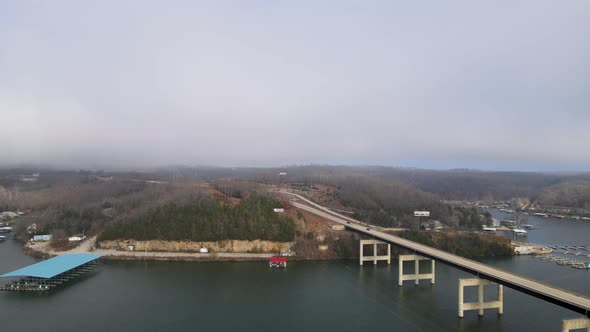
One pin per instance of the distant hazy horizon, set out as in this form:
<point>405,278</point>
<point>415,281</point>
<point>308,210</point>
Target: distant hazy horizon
<point>140,84</point>
<point>285,167</point>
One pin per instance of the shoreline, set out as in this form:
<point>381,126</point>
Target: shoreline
<point>43,252</point>
<point>160,256</point>
<point>184,257</point>
<point>40,250</point>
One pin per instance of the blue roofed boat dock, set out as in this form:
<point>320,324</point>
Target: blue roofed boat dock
<point>50,273</point>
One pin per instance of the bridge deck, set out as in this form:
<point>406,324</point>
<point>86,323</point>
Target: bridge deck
<point>564,298</point>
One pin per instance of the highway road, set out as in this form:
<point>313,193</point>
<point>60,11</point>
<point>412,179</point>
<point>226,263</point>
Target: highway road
<point>561,297</point>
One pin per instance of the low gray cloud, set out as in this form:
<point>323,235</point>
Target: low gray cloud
<point>138,83</point>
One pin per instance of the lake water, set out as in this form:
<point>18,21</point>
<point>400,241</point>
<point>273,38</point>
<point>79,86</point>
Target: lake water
<point>310,296</point>
<point>553,231</point>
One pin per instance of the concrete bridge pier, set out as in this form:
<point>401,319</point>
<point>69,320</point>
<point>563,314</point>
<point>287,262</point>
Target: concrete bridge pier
<point>576,324</point>
<point>416,276</point>
<point>375,257</point>
<point>480,304</point>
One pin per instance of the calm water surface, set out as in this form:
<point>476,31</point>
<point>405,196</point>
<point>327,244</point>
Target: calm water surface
<point>552,230</point>
<point>310,296</point>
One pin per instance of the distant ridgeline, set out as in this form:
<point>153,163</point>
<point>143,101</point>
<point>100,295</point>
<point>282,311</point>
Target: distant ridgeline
<point>204,219</point>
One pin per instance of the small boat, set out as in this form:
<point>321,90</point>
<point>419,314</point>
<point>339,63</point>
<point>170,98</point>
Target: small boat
<point>529,226</point>
<point>5,229</point>
<point>2,238</point>
<point>520,232</point>
<point>581,266</point>
<point>508,223</point>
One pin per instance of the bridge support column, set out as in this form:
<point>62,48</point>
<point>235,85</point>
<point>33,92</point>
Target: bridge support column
<point>375,257</point>
<point>575,324</point>
<point>480,304</point>
<point>416,276</point>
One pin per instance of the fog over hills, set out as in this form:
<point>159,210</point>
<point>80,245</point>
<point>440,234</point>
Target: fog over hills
<point>135,84</point>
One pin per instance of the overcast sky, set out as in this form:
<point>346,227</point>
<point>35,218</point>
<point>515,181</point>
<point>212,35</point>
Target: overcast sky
<point>501,85</point>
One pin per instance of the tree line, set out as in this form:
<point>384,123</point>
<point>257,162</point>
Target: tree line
<point>456,184</point>
<point>204,219</point>
<point>390,203</point>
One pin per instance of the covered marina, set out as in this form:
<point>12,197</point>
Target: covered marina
<point>50,273</point>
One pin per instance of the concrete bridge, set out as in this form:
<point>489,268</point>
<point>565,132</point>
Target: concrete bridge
<point>487,274</point>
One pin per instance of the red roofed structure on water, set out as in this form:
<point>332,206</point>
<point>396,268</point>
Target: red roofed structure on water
<point>277,262</point>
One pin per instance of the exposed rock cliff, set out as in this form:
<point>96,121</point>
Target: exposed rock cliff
<point>240,246</point>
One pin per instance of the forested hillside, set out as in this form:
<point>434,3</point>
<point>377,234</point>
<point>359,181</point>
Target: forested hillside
<point>458,184</point>
<point>571,194</point>
<point>390,203</point>
<point>63,203</point>
<point>204,219</point>
<point>386,203</point>
<point>448,184</point>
